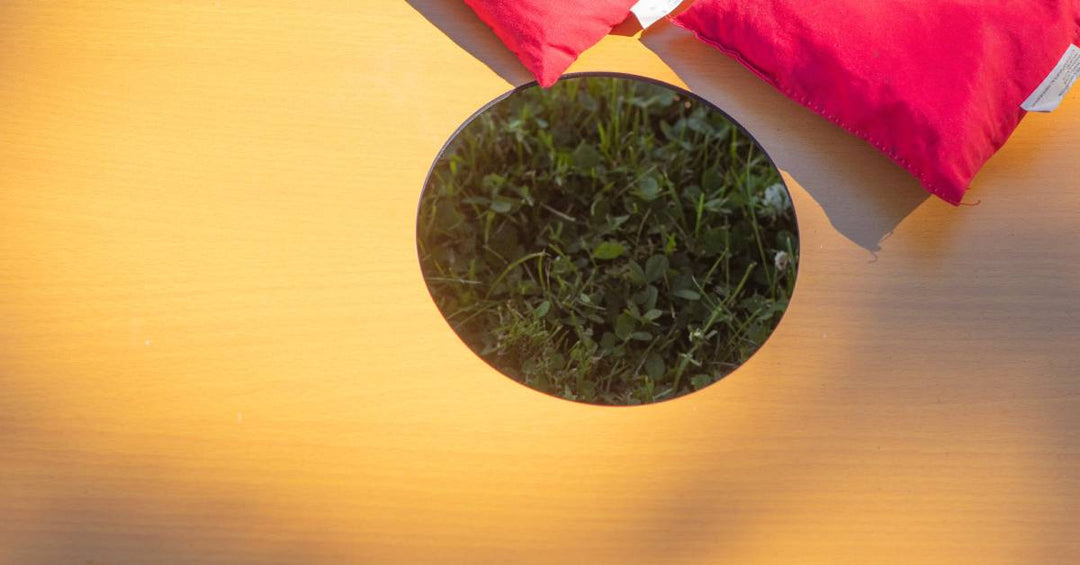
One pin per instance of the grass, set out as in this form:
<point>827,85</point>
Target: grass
<point>608,240</point>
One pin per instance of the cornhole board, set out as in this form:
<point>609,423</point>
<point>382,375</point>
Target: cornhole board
<point>216,345</point>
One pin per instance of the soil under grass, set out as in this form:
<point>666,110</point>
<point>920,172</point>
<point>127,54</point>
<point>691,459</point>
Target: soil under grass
<point>608,240</point>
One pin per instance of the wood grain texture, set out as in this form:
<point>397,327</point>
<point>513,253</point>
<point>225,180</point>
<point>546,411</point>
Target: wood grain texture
<point>216,345</point>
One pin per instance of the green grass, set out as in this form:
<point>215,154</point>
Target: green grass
<point>608,240</point>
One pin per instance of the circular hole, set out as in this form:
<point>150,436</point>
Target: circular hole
<point>610,240</point>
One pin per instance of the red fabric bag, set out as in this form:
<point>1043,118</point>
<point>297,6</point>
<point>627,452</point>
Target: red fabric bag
<point>549,35</point>
<point>937,85</point>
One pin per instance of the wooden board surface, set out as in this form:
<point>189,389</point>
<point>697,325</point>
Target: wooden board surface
<point>216,345</point>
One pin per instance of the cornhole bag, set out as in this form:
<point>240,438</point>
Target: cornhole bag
<point>937,85</point>
<point>549,35</point>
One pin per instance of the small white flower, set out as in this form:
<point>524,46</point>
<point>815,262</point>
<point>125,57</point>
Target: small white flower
<point>776,199</point>
<point>781,260</point>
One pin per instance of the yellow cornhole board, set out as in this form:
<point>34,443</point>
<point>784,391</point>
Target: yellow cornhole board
<point>216,345</point>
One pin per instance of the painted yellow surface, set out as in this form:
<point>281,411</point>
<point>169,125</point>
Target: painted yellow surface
<point>216,345</point>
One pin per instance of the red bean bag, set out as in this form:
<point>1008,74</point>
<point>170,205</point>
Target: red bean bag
<point>549,35</point>
<point>937,85</point>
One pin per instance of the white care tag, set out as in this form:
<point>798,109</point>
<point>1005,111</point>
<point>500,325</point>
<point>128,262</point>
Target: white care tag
<point>648,12</point>
<point>1052,91</point>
